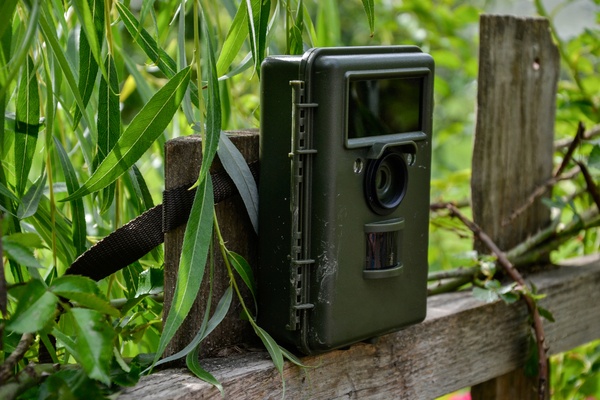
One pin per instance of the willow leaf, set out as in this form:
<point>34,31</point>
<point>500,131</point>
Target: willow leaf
<point>77,210</point>
<point>88,65</point>
<point>370,11</point>
<point>109,123</point>
<point>21,52</point>
<point>88,70</point>
<point>205,329</point>
<point>236,166</point>
<point>66,68</point>
<point>7,9</point>
<point>91,16</point>
<point>158,56</point>
<point>26,124</point>
<point>196,243</point>
<point>144,129</point>
<point>244,271</point>
<point>258,13</point>
<point>213,109</point>
<point>193,363</point>
<point>234,40</point>
<point>272,347</point>
<point>155,53</point>
<point>31,199</point>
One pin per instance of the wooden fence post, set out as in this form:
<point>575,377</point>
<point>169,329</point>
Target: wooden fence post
<point>513,151</point>
<point>183,157</point>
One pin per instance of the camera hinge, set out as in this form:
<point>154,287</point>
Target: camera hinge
<point>301,161</point>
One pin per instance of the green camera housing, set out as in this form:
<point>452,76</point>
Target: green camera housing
<point>345,164</point>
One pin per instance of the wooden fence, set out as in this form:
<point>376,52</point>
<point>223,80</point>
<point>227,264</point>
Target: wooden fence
<point>463,342</point>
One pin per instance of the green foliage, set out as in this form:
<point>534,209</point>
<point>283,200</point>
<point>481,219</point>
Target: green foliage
<point>576,374</point>
<point>88,96</point>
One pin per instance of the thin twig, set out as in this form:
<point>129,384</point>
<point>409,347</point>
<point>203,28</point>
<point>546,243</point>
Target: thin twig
<point>588,135</point>
<point>8,367</point>
<point>442,205</point>
<point>515,276</point>
<point>448,286</point>
<point>571,150</point>
<point>453,273</point>
<point>591,185</point>
<point>540,191</point>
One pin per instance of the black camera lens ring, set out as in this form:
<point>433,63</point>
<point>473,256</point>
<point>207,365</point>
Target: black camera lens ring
<point>386,181</point>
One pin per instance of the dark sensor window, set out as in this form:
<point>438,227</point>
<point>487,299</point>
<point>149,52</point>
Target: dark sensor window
<point>384,106</point>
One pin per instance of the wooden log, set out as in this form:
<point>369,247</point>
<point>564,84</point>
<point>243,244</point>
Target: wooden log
<point>513,150</point>
<point>461,343</point>
<point>183,157</point>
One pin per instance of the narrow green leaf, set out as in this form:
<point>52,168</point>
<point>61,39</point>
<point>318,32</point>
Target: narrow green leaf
<point>109,125</point>
<point>78,224</point>
<point>94,343</point>
<point>156,54</point>
<point>58,228</point>
<point>193,363</point>
<point>84,291</point>
<point>258,20</point>
<point>66,68</point>
<point>88,71</point>
<point>20,253</point>
<point>328,24</point>
<point>243,269</point>
<point>32,198</point>
<point>272,347</point>
<point>370,11</point>
<point>291,357</point>
<point>234,40</point>
<point>7,10</point>
<point>213,109</point>
<point>109,112</point>
<point>91,16</point>
<point>28,239</point>
<point>234,163</point>
<point>144,129</point>
<point>26,124</point>
<point>194,253</point>
<point>205,330</point>
<point>20,56</point>
<point>4,191</point>
<point>141,188</point>
<point>35,308</point>
<point>69,343</point>
<point>296,30</point>
<point>594,160</point>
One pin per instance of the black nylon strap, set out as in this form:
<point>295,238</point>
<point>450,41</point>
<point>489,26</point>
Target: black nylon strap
<point>139,236</point>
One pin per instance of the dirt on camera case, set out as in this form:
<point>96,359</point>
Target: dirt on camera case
<point>345,161</point>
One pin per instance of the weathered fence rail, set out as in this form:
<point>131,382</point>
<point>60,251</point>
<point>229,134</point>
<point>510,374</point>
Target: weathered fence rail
<point>463,342</point>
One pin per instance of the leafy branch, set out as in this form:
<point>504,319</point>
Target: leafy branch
<point>514,274</point>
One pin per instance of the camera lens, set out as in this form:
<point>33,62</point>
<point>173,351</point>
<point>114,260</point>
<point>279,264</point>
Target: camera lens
<point>385,183</point>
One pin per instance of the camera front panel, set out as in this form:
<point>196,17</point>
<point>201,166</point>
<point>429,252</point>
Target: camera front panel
<point>366,207</point>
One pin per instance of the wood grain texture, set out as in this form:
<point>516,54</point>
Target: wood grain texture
<point>513,149</point>
<point>183,157</point>
<point>461,343</point>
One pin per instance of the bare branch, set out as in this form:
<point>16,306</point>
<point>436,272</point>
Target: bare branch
<point>591,185</point>
<point>588,135</point>
<point>7,368</point>
<point>569,154</point>
<point>515,276</point>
